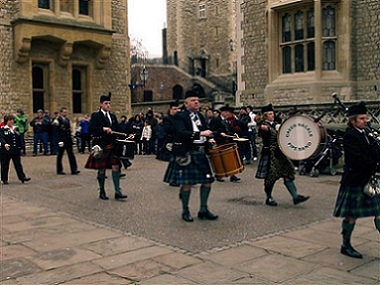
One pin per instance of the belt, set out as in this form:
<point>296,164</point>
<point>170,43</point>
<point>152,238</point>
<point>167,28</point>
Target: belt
<point>198,147</point>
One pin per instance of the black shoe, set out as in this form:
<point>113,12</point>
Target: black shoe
<point>102,195</point>
<point>271,202</point>
<point>219,179</point>
<point>187,217</point>
<point>174,184</point>
<point>61,173</point>
<point>46,154</point>
<point>120,196</point>
<point>75,172</point>
<point>26,179</point>
<point>207,215</point>
<point>350,251</point>
<point>300,199</point>
<point>123,174</point>
<point>5,182</point>
<point>233,178</point>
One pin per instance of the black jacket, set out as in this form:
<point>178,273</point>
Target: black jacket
<point>359,158</point>
<point>97,122</point>
<point>13,139</point>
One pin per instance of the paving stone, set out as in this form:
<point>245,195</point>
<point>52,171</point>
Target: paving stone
<point>370,269</point>
<point>62,257</point>
<point>371,248</point>
<point>51,221</point>
<point>116,245</point>
<point>328,239</point>
<point>210,273</point>
<point>141,270</point>
<point>276,268</point>
<point>334,259</point>
<point>167,279</point>
<point>329,276</point>
<point>14,268</point>
<point>15,251</point>
<point>8,208</point>
<point>126,258</point>
<point>288,246</point>
<point>100,279</point>
<point>177,260</point>
<point>235,255</point>
<point>61,274</point>
<point>38,233</point>
<point>70,240</point>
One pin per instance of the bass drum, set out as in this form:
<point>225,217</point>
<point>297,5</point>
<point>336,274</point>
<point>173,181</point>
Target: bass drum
<point>300,138</point>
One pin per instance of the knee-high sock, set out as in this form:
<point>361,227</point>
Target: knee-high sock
<point>185,198</point>
<point>116,180</point>
<point>268,190</point>
<point>205,192</point>
<point>291,188</point>
<point>347,229</point>
<point>101,180</point>
<point>377,224</point>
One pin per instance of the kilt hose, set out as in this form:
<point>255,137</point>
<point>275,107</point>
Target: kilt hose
<point>352,202</point>
<point>197,172</point>
<point>106,161</point>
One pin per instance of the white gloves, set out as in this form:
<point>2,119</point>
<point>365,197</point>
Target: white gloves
<point>61,144</point>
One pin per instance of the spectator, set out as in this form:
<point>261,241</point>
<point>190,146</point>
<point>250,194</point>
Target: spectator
<point>40,125</point>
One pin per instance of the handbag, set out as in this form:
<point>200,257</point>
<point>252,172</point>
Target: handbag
<point>372,188</point>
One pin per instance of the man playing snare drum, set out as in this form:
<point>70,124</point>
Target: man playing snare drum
<point>102,125</point>
<point>191,165</point>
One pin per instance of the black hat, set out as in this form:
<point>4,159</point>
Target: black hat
<point>104,98</point>
<point>267,108</point>
<point>357,109</point>
<point>191,93</point>
<point>173,104</point>
<point>227,109</point>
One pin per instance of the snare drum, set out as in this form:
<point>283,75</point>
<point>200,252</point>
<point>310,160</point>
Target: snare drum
<point>225,160</point>
<point>300,138</point>
<point>124,149</point>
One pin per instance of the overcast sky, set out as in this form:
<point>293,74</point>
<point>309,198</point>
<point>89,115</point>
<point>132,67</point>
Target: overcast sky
<point>146,19</point>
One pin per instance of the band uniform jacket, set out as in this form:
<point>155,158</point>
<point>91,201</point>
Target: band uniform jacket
<point>97,122</point>
<point>11,138</point>
<point>360,158</point>
<point>184,134</point>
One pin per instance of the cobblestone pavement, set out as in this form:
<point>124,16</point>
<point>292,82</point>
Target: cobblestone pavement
<point>54,230</point>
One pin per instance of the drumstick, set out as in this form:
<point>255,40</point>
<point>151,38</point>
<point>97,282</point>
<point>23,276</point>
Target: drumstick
<point>118,133</point>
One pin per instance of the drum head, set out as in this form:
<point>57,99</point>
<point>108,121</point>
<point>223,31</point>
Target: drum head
<point>299,137</point>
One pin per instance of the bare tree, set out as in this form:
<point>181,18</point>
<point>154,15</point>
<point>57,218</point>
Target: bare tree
<point>139,53</point>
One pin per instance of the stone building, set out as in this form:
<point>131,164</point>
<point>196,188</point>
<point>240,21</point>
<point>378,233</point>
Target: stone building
<point>294,52</point>
<point>201,39</point>
<point>63,53</point>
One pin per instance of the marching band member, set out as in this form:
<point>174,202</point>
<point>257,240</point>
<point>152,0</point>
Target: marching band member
<point>102,125</point>
<point>192,166</point>
<point>11,148</point>
<point>273,163</point>
<point>360,165</point>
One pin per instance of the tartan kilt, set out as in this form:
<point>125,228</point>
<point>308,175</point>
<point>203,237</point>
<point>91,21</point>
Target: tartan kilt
<point>105,161</point>
<point>263,167</point>
<point>352,202</point>
<point>197,172</point>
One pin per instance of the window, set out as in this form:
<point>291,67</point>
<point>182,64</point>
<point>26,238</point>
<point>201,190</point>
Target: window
<point>84,7</point>
<point>78,89</point>
<point>202,11</point>
<point>44,4</point>
<point>297,44</point>
<point>39,82</point>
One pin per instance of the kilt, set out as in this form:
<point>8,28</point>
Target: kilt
<point>352,202</point>
<point>198,171</point>
<point>105,161</point>
<point>263,167</point>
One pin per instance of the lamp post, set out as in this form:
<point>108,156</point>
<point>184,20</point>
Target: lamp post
<point>144,77</point>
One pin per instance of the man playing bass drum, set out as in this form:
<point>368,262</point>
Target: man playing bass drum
<point>102,125</point>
